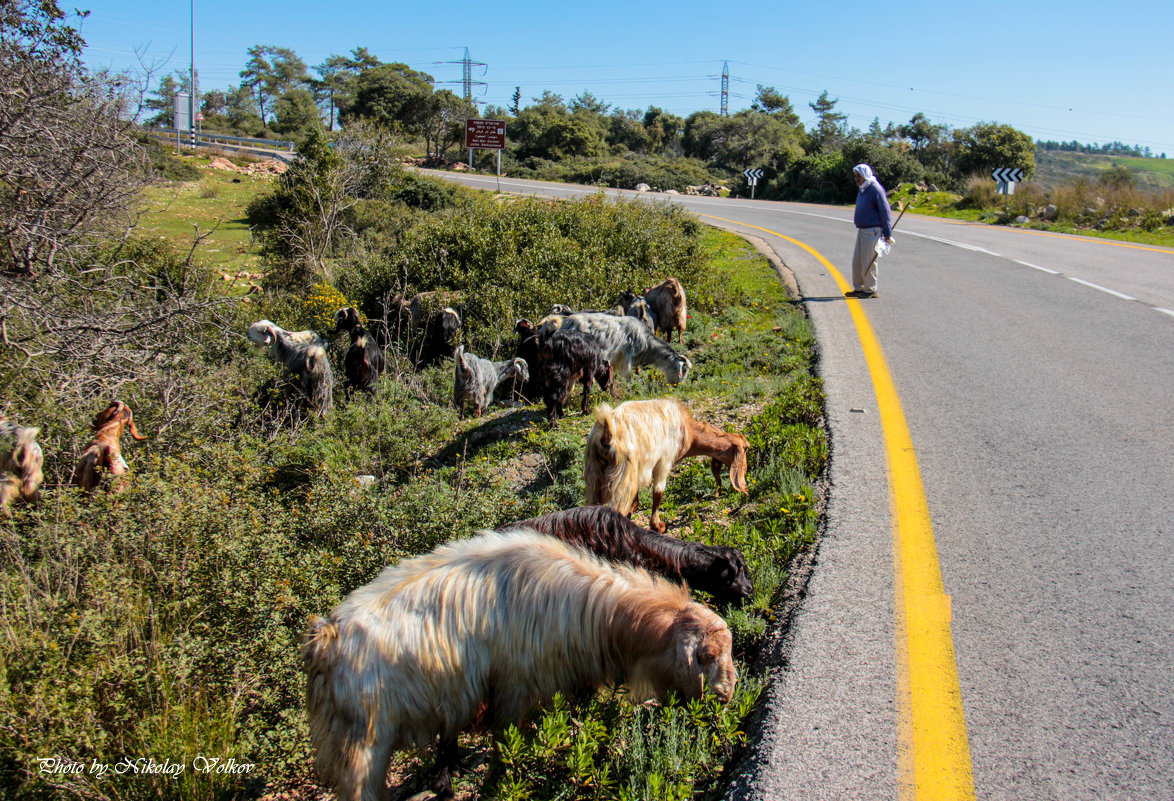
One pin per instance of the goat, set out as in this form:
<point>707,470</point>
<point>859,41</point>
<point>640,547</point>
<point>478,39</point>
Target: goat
<point>21,459</point>
<point>478,379</point>
<point>634,305</point>
<point>566,357</point>
<point>717,569</point>
<point>427,330</point>
<point>637,444</point>
<point>528,349</point>
<point>667,301</point>
<point>627,343</point>
<point>104,454</point>
<point>364,361</point>
<point>303,354</point>
<point>473,634</point>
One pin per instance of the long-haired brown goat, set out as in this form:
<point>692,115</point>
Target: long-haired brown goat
<point>636,445</point>
<point>478,631</point>
<point>20,463</point>
<point>667,301</point>
<point>104,454</point>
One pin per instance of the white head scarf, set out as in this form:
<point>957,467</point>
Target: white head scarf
<point>865,172</point>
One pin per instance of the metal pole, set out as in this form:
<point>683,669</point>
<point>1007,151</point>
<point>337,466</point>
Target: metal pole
<point>192,93</point>
<point>891,229</point>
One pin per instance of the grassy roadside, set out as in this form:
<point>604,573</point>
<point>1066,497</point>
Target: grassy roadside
<point>1125,217</point>
<point>212,207</point>
<point>164,624</point>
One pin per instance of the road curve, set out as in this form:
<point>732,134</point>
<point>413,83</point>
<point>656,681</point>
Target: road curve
<point>1035,374</point>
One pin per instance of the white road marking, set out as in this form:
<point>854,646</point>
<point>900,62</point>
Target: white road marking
<point>1114,293</point>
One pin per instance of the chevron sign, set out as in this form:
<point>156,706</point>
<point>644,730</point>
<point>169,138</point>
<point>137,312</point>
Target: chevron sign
<point>1008,175</point>
<point>753,174</point>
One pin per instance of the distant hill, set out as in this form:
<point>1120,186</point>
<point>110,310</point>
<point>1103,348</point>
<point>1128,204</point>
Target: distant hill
<point>1057,167</point>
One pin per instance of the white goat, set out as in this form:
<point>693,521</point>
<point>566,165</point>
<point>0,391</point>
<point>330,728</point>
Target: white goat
<point>480,630</point>
<point>626,343</point>
<point>303,353</point>
<point>478,379</point>
<point>21,459</point>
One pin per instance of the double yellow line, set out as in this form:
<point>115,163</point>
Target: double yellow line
<point>933,750</point>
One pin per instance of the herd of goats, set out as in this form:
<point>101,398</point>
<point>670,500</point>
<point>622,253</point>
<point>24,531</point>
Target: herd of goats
<point>473,634</point>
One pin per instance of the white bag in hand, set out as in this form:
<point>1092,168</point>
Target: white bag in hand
<point>883,248</point>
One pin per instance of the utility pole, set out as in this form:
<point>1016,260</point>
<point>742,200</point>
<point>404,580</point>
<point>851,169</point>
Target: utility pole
<point>725,88</point>
<point>192,76</point>
<point>467,82</point>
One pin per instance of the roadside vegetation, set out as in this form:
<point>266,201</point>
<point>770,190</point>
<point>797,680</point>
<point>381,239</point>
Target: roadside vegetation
<point>159,626</point>
<point>164,622</point>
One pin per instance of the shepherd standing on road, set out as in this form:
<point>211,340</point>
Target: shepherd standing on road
<point>873,222</point>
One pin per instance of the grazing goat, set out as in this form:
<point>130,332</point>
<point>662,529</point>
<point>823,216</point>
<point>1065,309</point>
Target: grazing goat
<point>716,569</point>
<point>634,305</point>
<point>667,301</point>
<point>636,445</point>
<point>566,357</point>
<point>627,343</point>
<point>303,353</point>
<point>475,633</point>
<point>478,379</point>
<point>21,459</point>
<point>528,349</point>
<point>428,331</point>
<point>364,361</point>
<point>104,454</point>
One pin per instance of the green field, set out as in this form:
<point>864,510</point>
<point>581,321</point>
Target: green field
<point>1057,167</point>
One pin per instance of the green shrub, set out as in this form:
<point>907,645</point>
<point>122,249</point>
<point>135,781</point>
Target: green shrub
<point>518,259</point>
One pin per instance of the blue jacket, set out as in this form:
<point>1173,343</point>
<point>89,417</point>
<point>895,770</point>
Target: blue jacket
<point>872,209</point>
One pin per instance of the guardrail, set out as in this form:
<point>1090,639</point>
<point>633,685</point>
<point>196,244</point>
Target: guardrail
<point>277,147</point>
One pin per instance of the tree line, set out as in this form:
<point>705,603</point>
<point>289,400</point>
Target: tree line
<point>585,136</point>
<point>1108,149</point>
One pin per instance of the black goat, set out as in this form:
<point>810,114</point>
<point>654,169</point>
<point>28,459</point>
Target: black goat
<point>528,348</point>
<point>364,361</point>
<point>716,569</point>
<point>567,357</point>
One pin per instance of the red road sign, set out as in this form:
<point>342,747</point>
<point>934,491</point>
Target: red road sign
<point>485,134</point>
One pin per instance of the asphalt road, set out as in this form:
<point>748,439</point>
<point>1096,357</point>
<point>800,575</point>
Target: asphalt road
<point>1036,377</point>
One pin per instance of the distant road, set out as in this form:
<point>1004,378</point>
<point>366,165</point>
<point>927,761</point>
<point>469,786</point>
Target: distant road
<point>1035,374</point>
<point>276,149</point>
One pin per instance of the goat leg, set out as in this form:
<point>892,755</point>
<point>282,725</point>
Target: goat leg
<point>586,389</point>
<point>447,763</point>
<point>716,467</point>
<point>654,521</point>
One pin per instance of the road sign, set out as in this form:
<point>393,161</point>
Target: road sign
<point>183,114</point>
<point>485,134</point>
<point>1008,175</point>
<point>752,174</point>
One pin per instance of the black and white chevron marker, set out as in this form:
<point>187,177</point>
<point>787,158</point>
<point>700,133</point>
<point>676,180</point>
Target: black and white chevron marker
<point>1008,175</point>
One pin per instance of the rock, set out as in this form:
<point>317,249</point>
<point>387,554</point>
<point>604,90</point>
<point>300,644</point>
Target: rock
<point>1051,212</point>
<point>643,188</point>
<point>1021,220</point>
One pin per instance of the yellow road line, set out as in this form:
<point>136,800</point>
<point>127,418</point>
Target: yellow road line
<point>933,749</point>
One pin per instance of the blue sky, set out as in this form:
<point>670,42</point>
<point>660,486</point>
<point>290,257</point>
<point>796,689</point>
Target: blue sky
<point>1061,71</point>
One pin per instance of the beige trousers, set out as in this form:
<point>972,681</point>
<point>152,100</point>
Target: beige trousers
<point>863,277</point>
